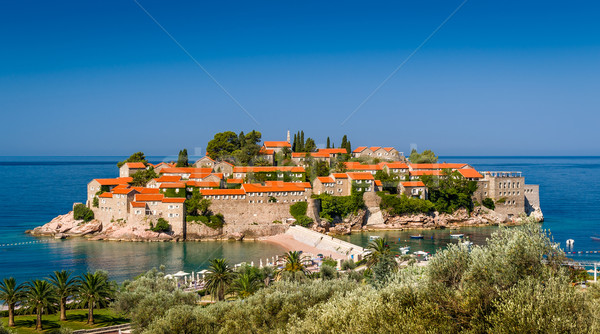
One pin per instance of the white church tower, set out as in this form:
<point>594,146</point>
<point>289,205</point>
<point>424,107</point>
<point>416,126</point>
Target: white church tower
<point>288,136</point>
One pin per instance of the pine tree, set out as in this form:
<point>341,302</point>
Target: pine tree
<point>242,139</point>
<point>328,143</point>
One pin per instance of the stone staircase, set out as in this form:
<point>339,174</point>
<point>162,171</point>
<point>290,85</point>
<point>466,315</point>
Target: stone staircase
<point>374,215</point>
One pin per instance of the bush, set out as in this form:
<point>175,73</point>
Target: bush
<point>161,226</point>
<point>398,205</point>
<point>96,202</point>
<point>304,221</point>
<point>489,203</point>
<point>298,209</point>
<point>82,212</point>
<point>216,221</point>
<point>329,262</point>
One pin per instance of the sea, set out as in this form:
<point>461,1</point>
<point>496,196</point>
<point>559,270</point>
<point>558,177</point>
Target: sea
<point>33,190</point>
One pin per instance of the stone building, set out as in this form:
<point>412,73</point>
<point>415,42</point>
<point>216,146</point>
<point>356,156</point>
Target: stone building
<point>507,190</point>
<point>205,162</point>
<point>129,168</point>
<point>383,153</point>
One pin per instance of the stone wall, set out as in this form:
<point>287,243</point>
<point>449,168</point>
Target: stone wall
<point>532,197</point>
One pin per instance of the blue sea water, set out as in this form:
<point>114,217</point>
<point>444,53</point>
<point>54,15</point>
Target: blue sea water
<point>33,190</point>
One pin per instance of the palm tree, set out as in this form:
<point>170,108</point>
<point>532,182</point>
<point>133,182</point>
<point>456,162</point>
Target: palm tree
<point>41,296</point>
<point>220,278</point>
<point>295,262</point>
<point>378,248</point>
<point>94,289</point>
<point>11,294</point>
<point>65,287</point>
<point>246,284</point>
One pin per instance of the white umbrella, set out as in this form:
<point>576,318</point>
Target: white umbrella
<point>260,264</point>
<point>180,274</point>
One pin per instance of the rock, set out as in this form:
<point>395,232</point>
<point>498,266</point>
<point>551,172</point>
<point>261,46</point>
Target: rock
<point>237,236</point>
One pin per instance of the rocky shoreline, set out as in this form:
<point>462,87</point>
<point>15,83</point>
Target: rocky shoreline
<point>65,226</point>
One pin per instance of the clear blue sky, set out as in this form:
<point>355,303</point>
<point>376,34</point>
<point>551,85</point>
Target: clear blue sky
<point>101,78</point>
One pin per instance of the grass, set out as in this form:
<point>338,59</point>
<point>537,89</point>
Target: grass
<point>76,319</point>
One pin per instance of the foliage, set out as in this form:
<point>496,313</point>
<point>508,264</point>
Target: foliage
<point>182,159</point>
<point>348,265</point>
<point>223,145</point>
<point>197,205</point>
<point>150,296</point>
<point>95,202</point>
<point>450,192</point>
<point>142,177</point>
<point>95,290</point>
<point>398,205</point>
<point>162,225</point>
<point>340,206</point>
<point>426,157</point>
<point>304,221</point>
<point>389,182</point>
<point>298,209</point>
<point>246,283</point>
<point>11,293</point>
<point>327,272</point>
<point>489,203</point>
<point>213,221</point>
<point>135,157</point>
<point>219,279</point>
<point>322,168</point>
<point>82,212</point>
<point>293,263</point>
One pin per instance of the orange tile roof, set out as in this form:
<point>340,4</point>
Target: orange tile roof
<point>122,191</point>
<point>325,179</point>
<point>396,165</point>
<point>144,190</point>
<point>219,192</point>
<point>299,154</point>
<point>266,152</point>
<point>199,175</point>
<point>148,197</point>
<point>340,175</point>
<point>319,154</point>
<point>470,173</point>
<point>360,176</point>
<point>202,184</point>
<point>274,186</point>
<point>172,185</point>
<point>256,169</point>
<point>425,172</point>
<point>121,186</point>
<point>173,200</point>
<point>388,148</point>
<point>359,149</point>
<point>437,166</point>
<point>378,183</point>
<point>138,205</point>
<point>105,195</point>
<point>333,150</point>
<point>219,175</point>
<point>277,144</point>
<point>358,166</point>
<point>185,170</point>
<point>306,185</point>
<point>374,148</point>
<point>205,157</point>
<point>135,165</point>
<point>413,184</point>
<point>235,181</point>
<point>114,182</point>
<point>168,178</point>
<point>162,164</point>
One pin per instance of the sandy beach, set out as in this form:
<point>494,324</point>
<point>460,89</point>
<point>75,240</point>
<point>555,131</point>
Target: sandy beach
<point>288,242</point>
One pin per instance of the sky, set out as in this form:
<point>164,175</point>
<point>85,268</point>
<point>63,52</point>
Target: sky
<point>103,78</point>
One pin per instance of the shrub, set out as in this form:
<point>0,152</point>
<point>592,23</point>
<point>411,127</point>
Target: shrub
<point>329,262</point>
<point>96,202</point>
<point>298,209</point>
<point>304,221</point>
<point>161,226</point>
<point>489,203</point>
<point>398,205</point>
<point>216,221</point>
<point>82,212</point>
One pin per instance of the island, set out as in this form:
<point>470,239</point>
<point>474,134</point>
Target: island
<point>248,189</point>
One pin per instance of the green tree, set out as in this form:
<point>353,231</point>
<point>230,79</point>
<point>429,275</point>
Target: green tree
<point>222,145</point>
<point>489,203</point>
<point>450,192</point>
<point>426,157</point>
<point>310,145</point>
<point>242,139</point>
<point>162,225</point>
<point>182,159</point>
<point>142,177</point>
<point>378,249</point>
<point>82,212</point>
<point>94,290</point>
<point>389,181</point>
<point>65,286</point>
<point>219,278</point>
<point>11,294</point>
<point>328,143</point>
<point>197,205</point>
<point>294,264</point>
<point>136,157</point>
<point>40,295</point>
<point>322,168</point>
<point>246,284</point>
<point>344,142</point>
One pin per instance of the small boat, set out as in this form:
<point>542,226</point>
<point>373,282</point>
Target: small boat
<point>404,250</point>
<point>420,236</point>
<point>459,235</point>
<point>419,253</point>
<point>570,242</point>
<point>374,237</point>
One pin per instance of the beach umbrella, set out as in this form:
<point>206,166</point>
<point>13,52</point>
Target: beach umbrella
<point>260,264</point>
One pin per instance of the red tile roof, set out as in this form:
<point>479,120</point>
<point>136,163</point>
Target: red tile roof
<point>360,176</point>
<point>256,169</point>
<point>148,197</point>
<point>396,165</point>
<point>219,175</point>
<point>135,165</point>
<point>378,183</point>
<point>138,205</point>
<point>168,178</point>
<point>277,144</point>
<point>172,185</point>
<point>122,191</point>
<point>266,152</point>
<point>340,175</point>
<point>470,173</point>
<point>184,170</point>
<point>351,165</point>
<point>218,192</point>
<point>199,175</point>
<point>114,182</point>
<point>325,179</point>
<point>173,200</point>
<point>413,184</point>
<point>204,184</point>
<point>426,172</point>
<point>359,149</point>
<point>235,181</point>
<point>333,150</point>
<point>275,186</point>
<point>388,148</point>
<point>437,166</point>
<point>374,148</point>
<point>143,190</point>
<point>106,195</point>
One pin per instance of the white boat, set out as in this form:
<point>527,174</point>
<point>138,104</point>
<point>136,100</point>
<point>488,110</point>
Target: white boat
<point>459,235</point>
<point>404,250</point>
<point>374,237</point>
<point>570,242</point>
<point>421,253</point>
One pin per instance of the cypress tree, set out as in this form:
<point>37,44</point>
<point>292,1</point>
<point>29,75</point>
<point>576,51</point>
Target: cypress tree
<point>302,142</point>
<point>348,147</point>
<point>294,143</point>
<point>328,146</point>
<point>242,139</point>
<point>344,141</point>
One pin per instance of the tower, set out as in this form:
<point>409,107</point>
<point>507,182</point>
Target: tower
<point>288,136</point>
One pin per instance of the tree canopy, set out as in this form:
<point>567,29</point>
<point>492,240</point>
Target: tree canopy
<point>426,157</point>
<point>136,157</point>
<point>182,158</point>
